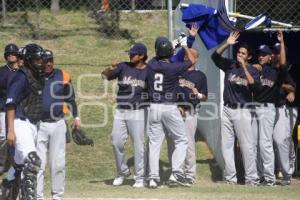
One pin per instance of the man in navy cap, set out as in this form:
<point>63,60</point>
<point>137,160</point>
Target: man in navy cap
<point>240,78</point>
<point>130,113</point>
<point>286,115</point>
<point>267,94</point>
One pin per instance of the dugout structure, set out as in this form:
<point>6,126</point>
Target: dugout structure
<point>209,122</point>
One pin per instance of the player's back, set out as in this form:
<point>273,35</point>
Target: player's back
<point>163,78</point>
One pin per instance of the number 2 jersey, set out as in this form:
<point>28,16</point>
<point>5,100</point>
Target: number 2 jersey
<point>162,79</point>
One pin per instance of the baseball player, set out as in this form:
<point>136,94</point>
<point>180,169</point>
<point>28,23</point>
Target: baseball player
<point>163,113</point>
<point>284,121</point>
<point>6,72</point>
<point>129,117</point>
<point>192,89</point>
<point>240,77</point>
<point>267,94</point>
<point>24,110</point>
<point>58,93</point>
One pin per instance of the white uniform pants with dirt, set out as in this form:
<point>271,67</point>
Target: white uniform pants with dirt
<point>237,122</point>
<point>3,147</point>
<point>282,139</point>
<point>163,119</point>
<point>130,122</point>
<point>266,117</point>
<point>51,146</point>
<point>26,134</point>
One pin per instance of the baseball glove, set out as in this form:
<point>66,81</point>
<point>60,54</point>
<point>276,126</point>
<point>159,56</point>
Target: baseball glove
<point>80,138</point>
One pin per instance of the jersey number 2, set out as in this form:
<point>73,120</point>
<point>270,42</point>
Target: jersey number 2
<point>158,82</point>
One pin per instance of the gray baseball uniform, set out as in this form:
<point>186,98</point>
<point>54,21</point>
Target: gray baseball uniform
<point>51,143</point>
<point>267,93</point>
<point>163,117</point>
<point>129,122</point>
<point>237,119</point>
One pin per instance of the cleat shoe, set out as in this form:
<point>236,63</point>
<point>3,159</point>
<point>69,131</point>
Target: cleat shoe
<point>139,183</point>
<point>190,181</point>
<point>118,180</point>
<point>292,169</point>
<point>252,183</point>
<point>268,183</point>
<point>178,179</point>
<point>285,182</point>
<point>153,183</point>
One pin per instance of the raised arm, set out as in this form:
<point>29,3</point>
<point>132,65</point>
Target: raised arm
<point>231,40</point>
<point>282,60</point>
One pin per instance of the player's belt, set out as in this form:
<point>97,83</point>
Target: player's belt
<point>49,120</point>
<point>238,105</point>
<point>30,120</point>
<point>263,104</point>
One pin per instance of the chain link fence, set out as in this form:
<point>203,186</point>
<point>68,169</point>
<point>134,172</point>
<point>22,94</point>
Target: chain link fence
<point>286,11</point>
<point>27,13</point>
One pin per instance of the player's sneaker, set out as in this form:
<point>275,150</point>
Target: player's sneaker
<point>286,182</point>
<point>178,179</point>
<point>190,180</point>
<point>153,183</point>
<point>139,183</point>
<point>292,168</point>
<point>118,180</point>
<point>268,183</point>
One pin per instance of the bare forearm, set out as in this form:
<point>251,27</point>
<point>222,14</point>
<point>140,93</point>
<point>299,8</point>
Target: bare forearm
<point>106,73</point>
<point>189,55</point>
<point>220,50</point>
<point>249,77</point>
<point>288,88</point>
<point>10,118</point>
<point>282,54</point>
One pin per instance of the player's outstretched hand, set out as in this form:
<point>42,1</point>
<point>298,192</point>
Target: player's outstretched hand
<point>290,97</point>
<point>280,36</point>
<point>194,30</point>
<point>232,39</point>
<point>11,138</point>
<point>113,65</point>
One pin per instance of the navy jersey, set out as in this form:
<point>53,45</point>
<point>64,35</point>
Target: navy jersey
<point>187,81</point>
<point>236,87</point>
<point>132,91</point>
<point>163,79</point>
<point>17,90</point>
<point>57,93</point>
<point>6,74</point>
<point>268,90</point>
<point>288,80</point>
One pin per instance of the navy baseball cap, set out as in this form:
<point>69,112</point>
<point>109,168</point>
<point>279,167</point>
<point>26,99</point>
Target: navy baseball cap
<point>265,49</point>
<point>138,48</point>
<point>276,48</point>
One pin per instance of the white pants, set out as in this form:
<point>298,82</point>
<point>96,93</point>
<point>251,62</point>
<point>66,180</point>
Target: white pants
<point>26,133</point>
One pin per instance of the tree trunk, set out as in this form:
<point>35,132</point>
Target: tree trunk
<point>54,7</point>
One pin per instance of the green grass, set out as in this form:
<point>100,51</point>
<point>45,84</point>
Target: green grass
<point>83,50</point>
